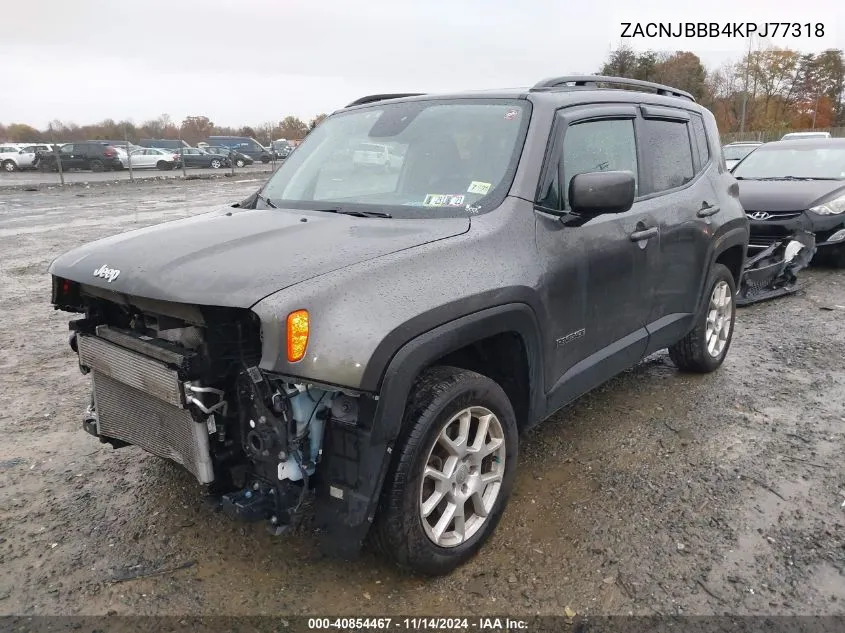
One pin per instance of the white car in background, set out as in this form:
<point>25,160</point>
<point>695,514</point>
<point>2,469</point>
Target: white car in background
<point>371,155</point>
<point>154,158</point>
<point>800,136</point>
<point>17,156</point>
<point>9,156</point>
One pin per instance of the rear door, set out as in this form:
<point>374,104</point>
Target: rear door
<point>681,197</point>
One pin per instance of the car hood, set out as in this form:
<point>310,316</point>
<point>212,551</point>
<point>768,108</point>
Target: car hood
<point>787,195</point>
<point>236,257</point>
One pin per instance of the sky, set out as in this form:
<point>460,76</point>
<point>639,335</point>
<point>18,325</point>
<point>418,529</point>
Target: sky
<point>247,62</point>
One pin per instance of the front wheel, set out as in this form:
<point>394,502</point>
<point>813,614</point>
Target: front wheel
<point>9,166</point>
<point>453,470</point>
<point>216,164</point>
<point>704,349</point>
<point>239,163</point>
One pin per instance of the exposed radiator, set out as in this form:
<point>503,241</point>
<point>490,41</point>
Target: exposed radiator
<point>139,401</point>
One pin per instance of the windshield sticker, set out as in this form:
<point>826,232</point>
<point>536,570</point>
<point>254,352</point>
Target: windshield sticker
<point>443,200</point>
<point>511,114</point>
<point>479,187</point>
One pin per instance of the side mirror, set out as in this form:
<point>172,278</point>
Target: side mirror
<point>598,192</point>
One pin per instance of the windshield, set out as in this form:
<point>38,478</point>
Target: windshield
<point>434,159</point>
<point>811,162</point>
<point>738,152</point>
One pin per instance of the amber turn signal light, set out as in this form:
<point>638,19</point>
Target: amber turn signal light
<point>298,327</point>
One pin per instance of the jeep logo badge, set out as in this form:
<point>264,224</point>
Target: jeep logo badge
<point>104,272</point>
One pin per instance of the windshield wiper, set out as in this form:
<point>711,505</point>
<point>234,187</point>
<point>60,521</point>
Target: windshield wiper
<point>266,201</point>
<point>357,214</point>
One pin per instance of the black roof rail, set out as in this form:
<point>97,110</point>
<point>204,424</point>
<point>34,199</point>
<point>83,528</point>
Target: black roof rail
<point>592,80</point>
<point>374,98</point>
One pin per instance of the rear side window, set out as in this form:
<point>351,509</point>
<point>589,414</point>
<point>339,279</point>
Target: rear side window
<point>606,145</point>
<point>667,146</point>
<point>700,139</point>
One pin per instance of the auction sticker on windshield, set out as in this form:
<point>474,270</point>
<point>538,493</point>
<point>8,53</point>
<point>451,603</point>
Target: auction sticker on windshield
<point>479,187</point>
<point>443,200</point>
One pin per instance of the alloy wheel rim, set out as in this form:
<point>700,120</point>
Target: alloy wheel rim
<point>719,319</point>
<point>462,476</point>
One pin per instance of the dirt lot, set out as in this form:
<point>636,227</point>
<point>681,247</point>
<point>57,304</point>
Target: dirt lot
<point>659,493</point>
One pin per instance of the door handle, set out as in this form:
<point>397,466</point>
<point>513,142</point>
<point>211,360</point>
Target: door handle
<point>638,236</point>
<point>707,210</point>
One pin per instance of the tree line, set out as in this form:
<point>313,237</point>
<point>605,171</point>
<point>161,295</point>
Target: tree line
<point>192,129</point>
<point>767,89</point>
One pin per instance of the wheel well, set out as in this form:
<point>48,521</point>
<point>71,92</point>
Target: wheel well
<point>732,259</point>
<point>503,359</point>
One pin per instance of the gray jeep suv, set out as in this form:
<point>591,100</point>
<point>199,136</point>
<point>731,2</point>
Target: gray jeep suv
<point>369,344</point>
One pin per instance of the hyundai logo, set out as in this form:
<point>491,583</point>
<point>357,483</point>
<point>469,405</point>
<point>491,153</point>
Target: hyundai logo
<point>759,215</point>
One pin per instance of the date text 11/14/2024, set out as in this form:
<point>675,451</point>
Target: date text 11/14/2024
<point>491,624</point>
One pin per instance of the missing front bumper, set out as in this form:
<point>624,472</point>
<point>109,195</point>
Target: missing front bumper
<point>772,272</point>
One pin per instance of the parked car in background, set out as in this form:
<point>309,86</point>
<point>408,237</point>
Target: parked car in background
<point>196,157</point>
<point>789,186</point>
<point>9,157</point>
<point>800,136</point>
<point>244,145</point>
<point>155,158</point>
<point>95,156</point>
<point>166,143</point>
<point>371,155</point>
<point>17,156</point>
<point>239,159</point>
<point>735,152</point>
<point>281,148</point>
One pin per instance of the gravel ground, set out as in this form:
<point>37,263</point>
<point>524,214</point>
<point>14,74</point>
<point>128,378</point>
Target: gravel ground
<point>660,493</point>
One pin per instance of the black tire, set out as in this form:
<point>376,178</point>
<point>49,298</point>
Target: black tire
<point>265,159</point>
<point>97,165</point>
<point>832,256</point>
<point>163,165</point>
<point>239,163</point>
<point>691,353</point>
<point>9,166</point>
<point>438,394</point>
<point>216,164</point>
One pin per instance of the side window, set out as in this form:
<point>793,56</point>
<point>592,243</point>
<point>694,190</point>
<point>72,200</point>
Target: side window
<point>606,145</point>
<point>667,145</point>
<point>67,149</point>
<point>700,140</point>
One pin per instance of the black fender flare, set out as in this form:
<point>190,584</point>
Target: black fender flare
<point>421,351</point>
<point>360,457</point>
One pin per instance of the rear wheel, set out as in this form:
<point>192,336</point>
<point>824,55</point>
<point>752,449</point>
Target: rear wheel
<point>97,165</point>
<point>265,159</point>
<point>454,467</point>
<point>163,165</point>
<point>704,349</point>
<point>9,166</point>
<point>216,163</point>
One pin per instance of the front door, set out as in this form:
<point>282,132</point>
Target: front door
<point>598,270</point>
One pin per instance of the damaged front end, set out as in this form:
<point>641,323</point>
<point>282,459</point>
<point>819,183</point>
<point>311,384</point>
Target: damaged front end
<point>772,272</point>
<point>182,382</point>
